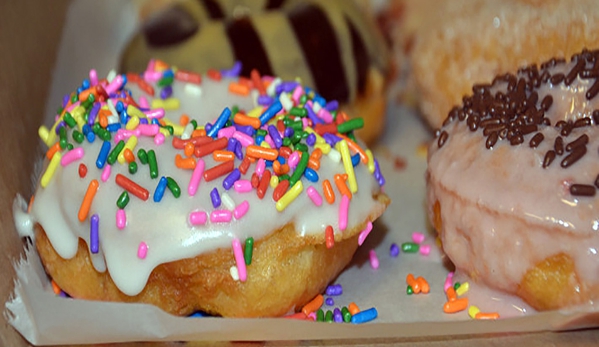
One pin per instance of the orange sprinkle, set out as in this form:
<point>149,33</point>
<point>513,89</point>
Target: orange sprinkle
<point>222,155</point>
<point>353,308</point>
<point>128,155</point>
<point>342,186</point>
<point>327,189</point>
<point>160,65</point>
<point>184,119</point>
<point>30,204</point>
<point>198,133</point>
<point>243,119</point>
<point>55,288</point>
<point>145,87</point>
<point>451,294</point>
<point>411,281</point>
<point>314,164</point>
<point>487,315</point>
<point>52,150</point>
<point>261,152</point>
<point>92,188</point>
<point>85,94</point>
<point>245,81</point>
<point>188,149</point>
<point>257,81</point>
<point>280,169</point>
<point>456,305</point>
<point>424,286</point>
<point>103,119</point>
<point>356,148</point>
<point>238,88</point>
<point>299,315</point>
<point>185,163</point>
<point>341,117</point>
<point>313,305</point>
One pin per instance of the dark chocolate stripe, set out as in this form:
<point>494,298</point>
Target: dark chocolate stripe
<point>213,8</point>
<point>274,4</point>
<point>317,39</point>
<point>247,47</point>
<point>169,27</point>
<point>360,55</point>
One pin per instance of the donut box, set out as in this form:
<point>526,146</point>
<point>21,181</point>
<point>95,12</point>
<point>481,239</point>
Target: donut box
<point>401,242</point>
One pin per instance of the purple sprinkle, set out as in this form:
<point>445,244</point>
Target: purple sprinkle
<point>239,151</point>
<point>60,125</point>
<point>166,92</point>
<point>143,121</point>
<point>331,105</point>
<point>329,301</point>
<point>287,87</point>
<point>288,132</point>
<point>93,113</point>
<point>246,129</point>
<point>394,250</point>
<point>207,127</point>
<point>65,100</point>
<point>215,197</point>
<point>275,136</point>
<point>337,316</point>
<point>231,179</point>
<point>62,294</point>
<point>331,139</point>
<point>313,116</point>
<point>334,290</point>
<point>234,71</point>
<point>231,144</point>
<point>311,139</point>
<point>264,100</point>
<point>94,240</point>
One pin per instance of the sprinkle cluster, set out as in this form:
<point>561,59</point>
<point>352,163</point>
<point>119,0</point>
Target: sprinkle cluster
<point>510,109</point>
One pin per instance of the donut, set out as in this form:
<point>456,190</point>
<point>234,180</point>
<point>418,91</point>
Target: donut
<point>512,183</point>
<point>331,46</point>
<point>452,45</point>
<point>190,192</point>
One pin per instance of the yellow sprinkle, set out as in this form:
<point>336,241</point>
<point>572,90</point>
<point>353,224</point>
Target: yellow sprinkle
<point>422,150</point>
<point>289,196</point>
<point>164,132</point>
<point>78,114</point>
<point>347,165</point>
<point>132,123</point>
<point>255,112</point>
<point>264,144</point>
<point>43,133</point>
<point>49,173</point>
<point>130,144</point>
<point>370,161</point>
<point>274,181</point>
<point>473,311</point>
<point>319,139</point>
<point>324,147</point>
<point>462,289</point>
<point>134,111</point>
<point>166,104</point>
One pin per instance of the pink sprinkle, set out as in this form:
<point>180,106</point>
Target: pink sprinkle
<point>114,85</point>
<point>243,138</point>
<point>226,132</point>
<point>198,218</point>
<point>241,209</point>
<point>269,140</point>
<point>72,155</point>
<point>196,177</point>
<point>159,139</point>
<point>314,195</point>
<point>239,259</point>
<point>297,93</point>
<point>325,115</point>
<point>305,122</point>
<point>106,173</point>
<point>221,216</point>
<point>343,211</point>
<point>93,77</point>
<point>142,250</point>
<point>143,102</point>
<point>374,260</point>
<point>417,237</point>
<point>152,76</point>
<point>151,65</point>
<point>293,159</point>
<point>448,281</point>
<point>124,134</point>
<point>312,316</point>
<point>425,249</point>
<point>260,166</point>
<point>121,219</point>
<point>364,233</point>
<point>242,186</point>
<point>155,113</point>
<point>148,129</point>
<point>73,105</point>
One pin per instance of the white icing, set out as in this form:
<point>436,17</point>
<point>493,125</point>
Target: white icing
<point>164,226</point>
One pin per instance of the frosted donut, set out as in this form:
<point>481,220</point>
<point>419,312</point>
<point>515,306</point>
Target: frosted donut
<point>194,192</point>
<point>331,46</point>
<point>512,183</point>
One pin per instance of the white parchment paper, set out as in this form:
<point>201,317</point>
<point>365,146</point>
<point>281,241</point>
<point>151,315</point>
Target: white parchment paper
<point>93,35</point>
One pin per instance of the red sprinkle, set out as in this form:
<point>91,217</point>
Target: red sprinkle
<point>210,147</point>
<point>188,76</point>
<point>264,183</point>
<point>245,165</point>
<point>214,74</point>
<point>329,236</point>
<point>322,129</point>
<point>82,170</point>
<point>280,190</point>
<point>132,187</point>
<point>255,180</point>
<point>219,170</point>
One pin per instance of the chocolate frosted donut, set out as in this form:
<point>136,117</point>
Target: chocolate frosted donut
<point>512,182</point>
<point>330,46</point>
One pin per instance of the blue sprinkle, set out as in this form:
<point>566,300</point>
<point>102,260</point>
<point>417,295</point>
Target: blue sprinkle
<point>91,137</point>
<point>311,175</point>
<point>281,160</point>
<point>364,316</point>
<point>330,302</point>
<point>85,84</point>
<point>119,107</point>
<point>154,121</point>
<point>168,73</point>
<point>394,250</point>
<point>86,129</point>
<point>79,90</point>
<point>355,159</point>
<point>320,100</point>
<point>103,155</point>
<point>113,127</point>
<point>160,188</point>
<point>270,112</point>
<point>268,163</point>
<point>123,117</point>
<point>198,314</point>
<point>220,123</point>
<point>124,82</point>
<point>259,139</point>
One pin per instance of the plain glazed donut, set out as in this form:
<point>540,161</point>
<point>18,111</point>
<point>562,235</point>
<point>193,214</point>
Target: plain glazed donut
<point>512,183</point>
<point>201,192</point>
<point>330,45</point>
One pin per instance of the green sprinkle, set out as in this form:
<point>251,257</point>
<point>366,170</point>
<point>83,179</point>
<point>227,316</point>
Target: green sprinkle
<point>410,247</point>
<point>132,167</point>
<point>296,137</point>
<point>297,125</point>
<point>298,112</point>
<point>286,141</point>
<point>351,136</point>
<point>70,146</point>
<point>78,136</point>
<point>114,154</point>
<point>62,134</point>
<point>104,134</point>
<point>143,156</point>
<point>234,110</point>
<point>302,147</point>
<point>303,99</point>
<point>74,98</point>
<point>261,132</point>
<point>352,124</point>
<point>329,316</point>
<point>194,123</point>
<point>346,314</point>
<point>153,164</point>
<point>173,187</point>
<point>248,250</point>
<point>69,120</point>
<point>123,200</point>
<point>283,177</point>
<point>320,315</point>
<point>170,129</point>
<point>299,169</point>
<point>409,290</point>
<point>456,285</point>
<point>165,81</point>
<point>96,127</point>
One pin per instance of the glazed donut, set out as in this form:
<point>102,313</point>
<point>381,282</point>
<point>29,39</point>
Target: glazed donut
<point>331,46</point>
<point>453,45</point>
<point>512,183</point>
<point>201,192</point>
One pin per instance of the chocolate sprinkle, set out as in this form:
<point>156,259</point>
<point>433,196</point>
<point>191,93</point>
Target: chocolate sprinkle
<point>558,146</point>
<point>549,156</point>
<point>442,138</point>
<point>582,140</point>
<point>582,190</point>
<point>597,181</point>
<point>536,140</point>
<point>574,156</point>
